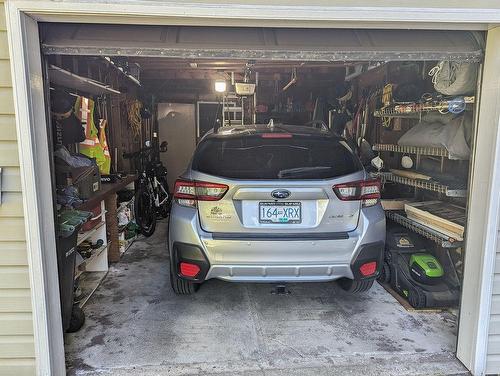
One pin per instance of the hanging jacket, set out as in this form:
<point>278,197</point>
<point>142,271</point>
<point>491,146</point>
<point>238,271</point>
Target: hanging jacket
<point>91,146</point>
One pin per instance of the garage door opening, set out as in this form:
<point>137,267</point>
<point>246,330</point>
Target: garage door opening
<point>407,113</point>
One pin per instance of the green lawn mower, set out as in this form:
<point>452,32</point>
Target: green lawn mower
<point>414,272</point>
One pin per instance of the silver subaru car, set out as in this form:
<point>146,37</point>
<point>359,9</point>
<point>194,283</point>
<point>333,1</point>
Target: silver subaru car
<point>275,204</point>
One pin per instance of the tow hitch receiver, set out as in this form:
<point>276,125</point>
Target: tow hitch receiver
<point>280,290</point>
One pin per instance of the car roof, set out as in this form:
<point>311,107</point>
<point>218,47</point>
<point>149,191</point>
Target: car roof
<point>256,129</point>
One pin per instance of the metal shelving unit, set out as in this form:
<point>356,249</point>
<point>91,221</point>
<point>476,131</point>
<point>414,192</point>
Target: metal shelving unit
<point>459,190</point>
<point>419,150</point>
<point>442,240</point>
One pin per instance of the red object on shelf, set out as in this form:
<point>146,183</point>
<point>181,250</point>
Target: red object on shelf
<point>95,220</point>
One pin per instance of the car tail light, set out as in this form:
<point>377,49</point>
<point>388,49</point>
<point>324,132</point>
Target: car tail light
<point>368,269</point>
<point>368,191</point>
<point>188,192</point>
<point>189,270</point>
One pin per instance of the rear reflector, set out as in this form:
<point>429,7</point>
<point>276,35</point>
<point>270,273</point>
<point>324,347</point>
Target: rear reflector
<point>188,192</point>
<point>276,135</point>
<point>189,270</point>
<point>366,190</point>
<point>368,269</point>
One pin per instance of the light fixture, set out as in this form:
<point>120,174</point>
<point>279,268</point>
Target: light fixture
<point>220,86</point>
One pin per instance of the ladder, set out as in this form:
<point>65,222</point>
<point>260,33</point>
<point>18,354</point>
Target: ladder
<point>232,111</point>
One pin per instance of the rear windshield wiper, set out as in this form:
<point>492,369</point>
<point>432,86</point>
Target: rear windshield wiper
<point>301,171</point>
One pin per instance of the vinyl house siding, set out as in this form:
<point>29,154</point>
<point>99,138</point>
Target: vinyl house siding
<point>493,359</point>
<point>17,353</point>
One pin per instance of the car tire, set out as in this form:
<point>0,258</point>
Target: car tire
<point>354,286</point>
<point>181,286</point>
<point>385,273</point>
<point>416,298</point>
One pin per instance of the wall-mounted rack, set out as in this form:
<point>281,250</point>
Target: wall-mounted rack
<point>416,109</point>
<point>418,150</point>
<point>458,190</point>
<point>441,239</point>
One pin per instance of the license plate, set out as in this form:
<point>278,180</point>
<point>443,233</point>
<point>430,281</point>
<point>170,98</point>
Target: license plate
<point>280,212</point>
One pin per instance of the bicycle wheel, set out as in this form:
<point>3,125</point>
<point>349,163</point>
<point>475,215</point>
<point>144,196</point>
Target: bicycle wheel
<point>164,209</point>
<point>145,214</point>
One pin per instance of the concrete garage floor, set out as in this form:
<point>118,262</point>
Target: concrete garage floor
<point>137,326</point>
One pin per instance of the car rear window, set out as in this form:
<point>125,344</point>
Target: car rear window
<point>257,158</point>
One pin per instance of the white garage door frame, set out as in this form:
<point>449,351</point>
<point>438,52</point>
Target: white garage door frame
<point>22,18</point>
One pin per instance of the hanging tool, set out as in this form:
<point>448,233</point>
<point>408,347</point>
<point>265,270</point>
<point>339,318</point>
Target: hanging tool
<point>293,80</point>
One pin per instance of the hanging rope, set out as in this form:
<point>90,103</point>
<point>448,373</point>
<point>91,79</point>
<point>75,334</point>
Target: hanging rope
<point>134,116</point>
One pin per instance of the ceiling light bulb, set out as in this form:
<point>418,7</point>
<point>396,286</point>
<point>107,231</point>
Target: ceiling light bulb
<point>220,86</point>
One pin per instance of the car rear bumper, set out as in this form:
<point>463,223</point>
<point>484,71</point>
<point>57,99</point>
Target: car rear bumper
<point>281,257</point>
<point>279,273</point>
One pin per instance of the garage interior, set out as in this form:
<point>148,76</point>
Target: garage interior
<point>379,96</point>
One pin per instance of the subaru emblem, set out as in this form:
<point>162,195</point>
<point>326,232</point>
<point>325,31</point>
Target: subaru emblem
<point>280,193</point>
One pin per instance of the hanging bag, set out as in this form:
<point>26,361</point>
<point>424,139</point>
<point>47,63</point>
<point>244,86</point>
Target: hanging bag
<point>454,78</point>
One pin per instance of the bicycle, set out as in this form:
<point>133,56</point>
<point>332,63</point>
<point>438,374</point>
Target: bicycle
<point>152,196</point>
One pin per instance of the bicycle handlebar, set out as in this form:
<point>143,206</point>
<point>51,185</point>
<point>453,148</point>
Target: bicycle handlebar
<point>137,153</point>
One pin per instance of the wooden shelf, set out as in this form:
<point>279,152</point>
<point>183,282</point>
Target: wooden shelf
<point>106,190</point>
<point>458,190</point>
<point>427,232</point>
<point>69,80</point>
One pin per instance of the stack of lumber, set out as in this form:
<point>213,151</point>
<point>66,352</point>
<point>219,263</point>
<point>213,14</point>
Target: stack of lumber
<point>441,216</point>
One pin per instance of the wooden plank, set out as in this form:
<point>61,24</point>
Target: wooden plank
<point>14,324</point>
<point>405,303</point>
<point>440,216</point>
<point>393,204</point>
<point>7,127</point>
<point>105,191</point>
<point>112,227</point>
<point>14,277</point>
<point>73,81</point>
<point>435,226</point>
